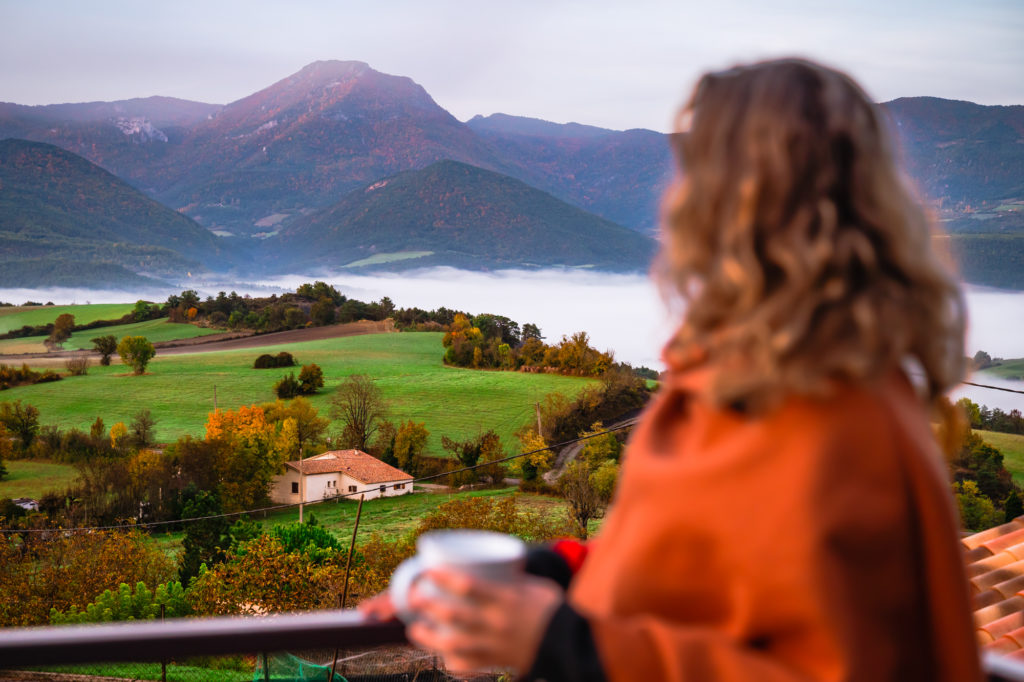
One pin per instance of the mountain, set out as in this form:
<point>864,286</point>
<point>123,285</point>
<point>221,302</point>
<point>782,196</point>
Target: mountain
<point>619,175</point>
<point>964,155</point>
<point>307,140</point>
<point>455,214</point>
<point>63,211</point>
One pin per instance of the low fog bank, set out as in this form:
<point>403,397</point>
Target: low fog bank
<point>622,313</point>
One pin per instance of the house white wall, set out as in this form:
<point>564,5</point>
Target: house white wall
<point>371,491</point>
<point>321,486</point>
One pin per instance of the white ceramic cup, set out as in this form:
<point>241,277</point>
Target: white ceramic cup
<point>493,556</point>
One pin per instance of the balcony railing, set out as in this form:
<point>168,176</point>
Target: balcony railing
<point>178,639</point>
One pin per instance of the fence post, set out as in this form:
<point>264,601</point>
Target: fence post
<point>266,668</point>
<point>351,548</point>
<point>163,662</point>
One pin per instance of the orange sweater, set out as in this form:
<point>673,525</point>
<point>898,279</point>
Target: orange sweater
<point>817,542</point>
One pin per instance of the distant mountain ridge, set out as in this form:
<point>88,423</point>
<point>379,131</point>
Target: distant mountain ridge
<point>274,164</point>
<point>462,215</point>
<point>60,209</point>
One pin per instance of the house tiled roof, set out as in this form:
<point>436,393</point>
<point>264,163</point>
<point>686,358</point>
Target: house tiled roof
<point>995,568</point>
<point>354,463</point>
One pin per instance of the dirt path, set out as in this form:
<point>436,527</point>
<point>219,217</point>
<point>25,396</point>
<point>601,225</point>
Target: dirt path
<point>219,342</point>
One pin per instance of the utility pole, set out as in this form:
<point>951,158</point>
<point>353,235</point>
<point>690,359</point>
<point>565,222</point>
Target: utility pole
<point>215,397</point>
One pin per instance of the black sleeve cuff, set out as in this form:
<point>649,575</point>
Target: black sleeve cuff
<point>547,563</point>
<point>567,653</point>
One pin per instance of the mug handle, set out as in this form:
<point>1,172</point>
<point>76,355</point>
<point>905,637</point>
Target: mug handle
<point>407,573</point>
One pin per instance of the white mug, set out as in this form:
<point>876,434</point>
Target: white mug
<point>493,556</point>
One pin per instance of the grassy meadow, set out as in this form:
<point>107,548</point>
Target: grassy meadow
<point>34,478</point>
<point>19,316</point>
<point>1012,447</point>
<point>1008,369</point>
<point>390,516</point>
<point>154,330</point>
<point>179,389</point>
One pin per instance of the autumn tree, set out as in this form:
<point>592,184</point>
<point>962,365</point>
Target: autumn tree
<point>62,328</point>
<point>311,379</point>
<point>299,422</point>
<point>584,501</point>
<point>252,455</point>
<point>205,541</point>
<point>360,407</point>
<point>136,351</point>
<point>410,441</point>
<point>322,313</point>
<point>66,569</point>
<point>118,432</point>
<point>21,420</point>
<point>105,346</point>
<point>140,429</point>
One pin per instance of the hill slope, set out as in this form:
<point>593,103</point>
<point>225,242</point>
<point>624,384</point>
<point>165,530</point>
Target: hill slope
<point>56,207</point>
<point>466,216</point>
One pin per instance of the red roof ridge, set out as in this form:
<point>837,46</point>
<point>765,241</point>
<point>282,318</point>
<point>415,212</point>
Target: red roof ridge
<point>356,464</point>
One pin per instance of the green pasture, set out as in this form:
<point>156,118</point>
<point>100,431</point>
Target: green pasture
<point>1007,369</point>
<point>154,330</point>
<point>179,389</point>
<point>19,316</point>
<point>34,478</point>
<point>378,258</point>
<point>1012,447</point>
<point>388,516</point>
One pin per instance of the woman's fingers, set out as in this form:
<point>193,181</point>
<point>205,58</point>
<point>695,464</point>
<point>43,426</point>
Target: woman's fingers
<point>379,607</point>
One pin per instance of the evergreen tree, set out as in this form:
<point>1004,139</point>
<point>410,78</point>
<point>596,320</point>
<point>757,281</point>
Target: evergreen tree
<point>206,540</point>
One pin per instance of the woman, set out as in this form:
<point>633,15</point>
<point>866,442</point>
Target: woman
<point>783,512</point>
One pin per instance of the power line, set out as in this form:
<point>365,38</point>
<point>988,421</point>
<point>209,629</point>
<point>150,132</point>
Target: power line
<point>152,524</point>
<point>994,388</point>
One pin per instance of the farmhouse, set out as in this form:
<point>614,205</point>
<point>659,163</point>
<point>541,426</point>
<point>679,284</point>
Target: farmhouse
<point>339,472</point>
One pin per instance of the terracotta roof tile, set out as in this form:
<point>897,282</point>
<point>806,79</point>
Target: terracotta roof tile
<point>977,554</point>
<point>988,614</point>
<point>998,575</point>
<point>1002,646</point>
<point>995,565</point>
<point>972,541</point>
<point>1005,541</point>
<point>990,563</point>
<point>355,463</point>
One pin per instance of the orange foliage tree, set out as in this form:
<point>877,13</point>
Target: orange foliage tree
<point>39,572</point>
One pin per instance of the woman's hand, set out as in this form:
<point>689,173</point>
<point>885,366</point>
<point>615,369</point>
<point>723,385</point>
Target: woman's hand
<point>476,624</point>
<point>378,607</point>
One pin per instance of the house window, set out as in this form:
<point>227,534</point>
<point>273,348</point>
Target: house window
<point>351,488</point>
<point>295,487</point>
<point>399,486</point>
<point>382,489</point>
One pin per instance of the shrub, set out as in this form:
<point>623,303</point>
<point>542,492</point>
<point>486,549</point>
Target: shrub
<point>311,379</point>
<point>136,351</point>
<point>124,604</point>
<point>288,387</point>
<point>78,366</point>
<point>267,361</point>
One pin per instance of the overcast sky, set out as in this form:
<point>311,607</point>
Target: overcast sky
<point>615,64</point>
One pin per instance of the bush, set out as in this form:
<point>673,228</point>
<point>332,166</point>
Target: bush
<point>78,366</point>
<point>136,352</point>
<point>311,379</point>
<point>288,387</point>
<point>142,604</point>
<point>267,361</point>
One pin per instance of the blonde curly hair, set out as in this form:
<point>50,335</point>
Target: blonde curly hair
<point>801,253</point>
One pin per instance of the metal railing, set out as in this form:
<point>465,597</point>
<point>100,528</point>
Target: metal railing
<point>184,637</point>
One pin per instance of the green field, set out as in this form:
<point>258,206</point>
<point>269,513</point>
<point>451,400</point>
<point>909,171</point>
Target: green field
<point>378,258</point>
<point>1007,369</point>
<point>1012,447</point>
<point>390,516</point>
<point>179,389</point>
<point>154,330</point>
<point>18,316</point>
<point>34,478</point>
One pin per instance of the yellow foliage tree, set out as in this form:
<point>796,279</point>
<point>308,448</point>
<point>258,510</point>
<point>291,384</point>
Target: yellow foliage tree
<point>117,433</point>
